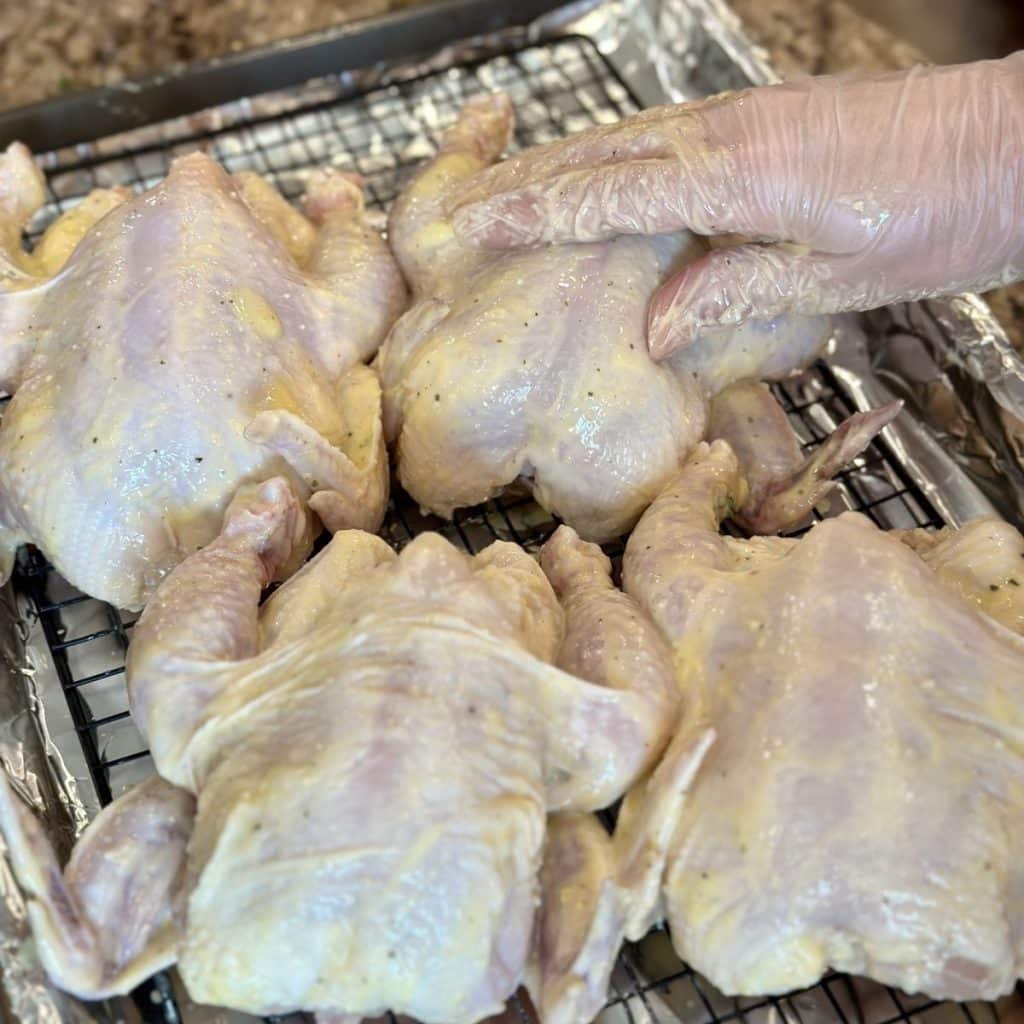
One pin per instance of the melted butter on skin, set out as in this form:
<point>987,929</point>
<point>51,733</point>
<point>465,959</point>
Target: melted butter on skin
<point>255,312</point>
<point>359,400</point>
<point>297,394</point>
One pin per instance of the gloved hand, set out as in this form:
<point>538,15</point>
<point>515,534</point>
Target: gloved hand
<point>849,193</point>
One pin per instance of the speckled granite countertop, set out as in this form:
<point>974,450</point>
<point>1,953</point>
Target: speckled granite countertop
<point>52,46</point>
<point>821,37</point>
<point>48,47</point>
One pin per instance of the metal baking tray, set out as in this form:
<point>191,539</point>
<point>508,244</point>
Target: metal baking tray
<point>383,125</point>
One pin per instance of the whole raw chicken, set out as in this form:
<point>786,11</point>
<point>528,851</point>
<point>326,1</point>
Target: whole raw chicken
<point>357,773</point>
<point>164,349</point>
<point>861,805</point>
<point>534,365</point>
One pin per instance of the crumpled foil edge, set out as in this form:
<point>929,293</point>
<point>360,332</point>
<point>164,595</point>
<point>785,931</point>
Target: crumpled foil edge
<point>953,364</point>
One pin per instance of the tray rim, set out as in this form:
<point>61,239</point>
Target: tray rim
<point>94,114</point>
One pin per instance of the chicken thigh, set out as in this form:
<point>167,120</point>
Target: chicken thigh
<point>164,349</point>
<point>373,754</point>
<point>534,364</point>
<point>860,807</point>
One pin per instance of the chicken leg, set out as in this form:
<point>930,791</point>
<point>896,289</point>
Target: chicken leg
<point>114,917</point>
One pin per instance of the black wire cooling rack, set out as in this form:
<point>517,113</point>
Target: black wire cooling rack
<point>557,87</point>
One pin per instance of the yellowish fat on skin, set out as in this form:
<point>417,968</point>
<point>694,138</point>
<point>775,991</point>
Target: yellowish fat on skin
<point>790,965</point>
<point>436,234</point>
<point>253,310</point>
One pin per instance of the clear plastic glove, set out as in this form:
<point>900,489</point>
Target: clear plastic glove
<point>849,193</point>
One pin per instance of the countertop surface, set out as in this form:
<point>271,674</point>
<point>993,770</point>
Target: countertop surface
<point>820,37</point>
<point>49,47</point>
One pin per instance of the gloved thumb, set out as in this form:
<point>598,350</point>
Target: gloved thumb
<point>729,286</point>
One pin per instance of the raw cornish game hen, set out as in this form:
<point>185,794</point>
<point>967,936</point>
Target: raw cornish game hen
<point>355,777</point>
<point>534,365</point>
<point>861,805</point>
<point>166,348</point>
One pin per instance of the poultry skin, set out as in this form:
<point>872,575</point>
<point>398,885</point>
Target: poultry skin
<point>354,778</point>
<point>534,365</point>
<point>162,350</point>
<point>860,805</point>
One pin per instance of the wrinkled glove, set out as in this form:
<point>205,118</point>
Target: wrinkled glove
<point>849,193</point>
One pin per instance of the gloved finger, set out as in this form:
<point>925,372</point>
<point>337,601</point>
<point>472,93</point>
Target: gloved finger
<point>635,137</point>
<point>648,196</point>
<point>730,286</point>
<point>574,181</point>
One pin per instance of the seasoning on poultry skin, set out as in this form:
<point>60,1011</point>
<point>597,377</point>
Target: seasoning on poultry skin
<point>535,365</point>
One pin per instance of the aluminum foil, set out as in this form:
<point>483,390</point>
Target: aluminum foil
<point>953,364</point>
<point>949,360</point>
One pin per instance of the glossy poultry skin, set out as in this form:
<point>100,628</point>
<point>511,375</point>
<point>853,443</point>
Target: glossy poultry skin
<point>164,349</point>
<point>508,366</point>
<point>859,806</point>
<point>534,365</point>
<point>374,752</point>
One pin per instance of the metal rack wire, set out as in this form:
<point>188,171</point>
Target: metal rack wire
<point>556,87</point>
